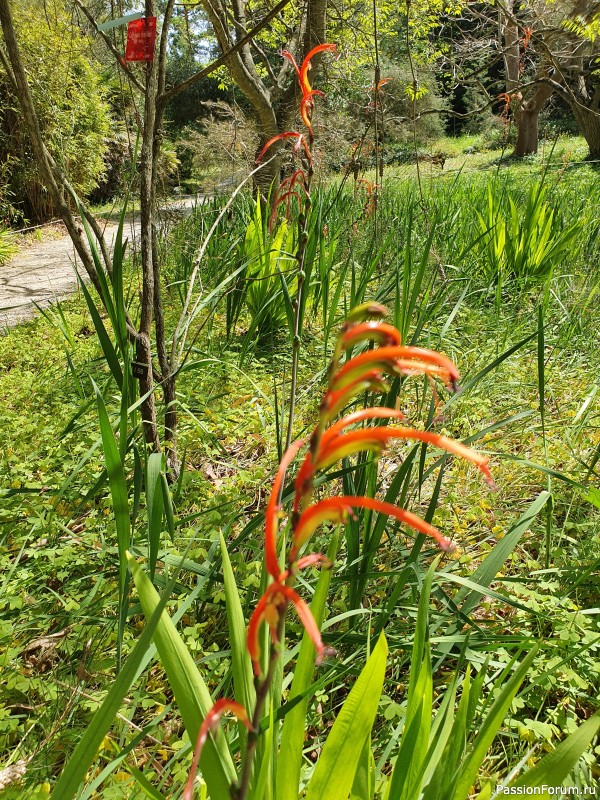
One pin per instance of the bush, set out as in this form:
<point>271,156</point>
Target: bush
<point>70,104</point>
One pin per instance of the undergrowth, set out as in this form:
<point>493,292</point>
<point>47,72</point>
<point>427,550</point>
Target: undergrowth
<point>529,362</point>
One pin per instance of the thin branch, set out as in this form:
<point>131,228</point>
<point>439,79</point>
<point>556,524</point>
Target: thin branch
<point>180,87</point>
<point>118,56</point>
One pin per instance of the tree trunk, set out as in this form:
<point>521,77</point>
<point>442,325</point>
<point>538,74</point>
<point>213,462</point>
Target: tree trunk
<point>588,121</point>
<point>526,119</point>
<point>526,112</point>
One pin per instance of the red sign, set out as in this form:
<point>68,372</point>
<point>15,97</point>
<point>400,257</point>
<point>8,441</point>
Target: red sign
<point>141,34</point>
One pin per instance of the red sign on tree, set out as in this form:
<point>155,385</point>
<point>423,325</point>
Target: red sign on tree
<point>141,34</point>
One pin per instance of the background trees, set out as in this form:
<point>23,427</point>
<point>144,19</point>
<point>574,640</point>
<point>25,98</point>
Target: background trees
<point>68,93</point>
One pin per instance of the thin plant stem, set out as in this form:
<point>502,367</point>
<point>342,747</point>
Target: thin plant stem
<point>262,692</point>
<point>301,258</point>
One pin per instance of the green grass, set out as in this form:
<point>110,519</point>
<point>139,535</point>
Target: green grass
<point>58,554</point>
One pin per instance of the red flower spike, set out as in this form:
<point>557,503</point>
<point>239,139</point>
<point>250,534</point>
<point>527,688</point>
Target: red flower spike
<point>210,723</point>
<point>375,439</point>
<point>385,358</point>
<point>337,510</point>
<point>380,332</point>
<point>272,512</point>
<point>306,104</point>
<point>269,609</point>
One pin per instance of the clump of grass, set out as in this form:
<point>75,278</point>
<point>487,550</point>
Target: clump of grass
<point>8,246</point>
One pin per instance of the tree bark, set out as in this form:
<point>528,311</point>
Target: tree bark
<point>526,112</point>
<point>527,118</point>
<point>588,122</point>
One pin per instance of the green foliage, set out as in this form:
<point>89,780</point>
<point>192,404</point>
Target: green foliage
<point>8,246</point>
<point>70,104</point>
<point>523,243</point>
<point>269,264</point>
<point>58,536</point>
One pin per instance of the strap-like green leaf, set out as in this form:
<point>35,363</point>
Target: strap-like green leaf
<point>489,728</point>
<point>83,756</point>
<point>289,762</point>
<point>190,690</point>
<point>334,774</point>
<point>241,665</point>
<point>154,507</point>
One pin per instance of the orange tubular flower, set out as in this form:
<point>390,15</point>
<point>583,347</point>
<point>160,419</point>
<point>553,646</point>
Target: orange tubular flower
<point>210,723</point>
<point>376,439</point>
<point>337,510</point>
<point>269,609</point>
<point>334,402</point>
<point>396,359</point>
<point>287,135</point>
<point>306,103</point>
<point>379,332</point>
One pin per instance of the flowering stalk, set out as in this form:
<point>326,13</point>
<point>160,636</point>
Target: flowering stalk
<point>286,192</point>
<point>332,440</point>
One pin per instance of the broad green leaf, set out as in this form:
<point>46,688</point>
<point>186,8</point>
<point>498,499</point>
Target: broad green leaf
<point>190,690</point>
<point>334,774</point>
<point>120,501</point>
<point>241,665</point>
<point>289,762</point>
<point>84,755</point>
<point>556,766</point>
<point>363,787</point>
<point>411,760</point>
<point>110,354</point>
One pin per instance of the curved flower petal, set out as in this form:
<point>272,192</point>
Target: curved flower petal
<point>210,723</point>
<point>334,402</point>
<point>287,135</point>
<point>371,331</point>
<point>303,73</point>
<point>375,439</point>
<point>306,104</point>
<point>320,440</point>
<point>394,359</point>
<point>288,55</point>
<point>269,609</point>
<point>376,412</point>
<point>273,509</point>
<point>337,510</point>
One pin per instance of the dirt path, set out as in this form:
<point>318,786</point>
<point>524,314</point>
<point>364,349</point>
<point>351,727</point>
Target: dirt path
<point>45,272</point>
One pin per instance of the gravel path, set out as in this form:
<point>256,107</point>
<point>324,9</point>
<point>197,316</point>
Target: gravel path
<point>45,272</point>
